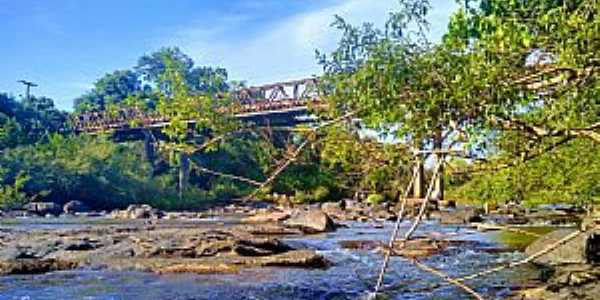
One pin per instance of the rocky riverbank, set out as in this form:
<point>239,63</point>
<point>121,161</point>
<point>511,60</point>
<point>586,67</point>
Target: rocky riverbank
<point>162,246</point>
<point>571,270</point>
<point>231,239</point>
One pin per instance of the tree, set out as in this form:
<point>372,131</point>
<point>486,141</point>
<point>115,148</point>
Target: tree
<point>510,79</point>
<point>152,66</point>
<point>112,89</point>
<point>198,79</point>
<point>28,121</point>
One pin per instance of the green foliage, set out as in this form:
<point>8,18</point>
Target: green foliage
<point>489,88</point>
<point>99,172</point>
<point>27,121</point>
<point>570,174</point>
<point>11,196</point>
<point>375,199</point>
<point>112,89</point>
<point>363,162</point>
<point>152,68</point>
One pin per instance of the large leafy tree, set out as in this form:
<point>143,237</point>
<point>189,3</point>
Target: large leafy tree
<point>510,80</point>
<point>198,79</point>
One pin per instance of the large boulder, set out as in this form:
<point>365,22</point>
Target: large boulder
<point>43,208</point>
<point>311,221</point>
<point>583,249</point>
<point>334,209</point>
<point>463,215</point>
<point>74,207</point>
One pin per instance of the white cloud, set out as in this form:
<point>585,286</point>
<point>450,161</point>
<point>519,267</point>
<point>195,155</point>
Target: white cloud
<point>286,50</point>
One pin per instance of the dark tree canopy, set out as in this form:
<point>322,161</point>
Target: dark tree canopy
<point>112,89</point>
<point>27,121</point>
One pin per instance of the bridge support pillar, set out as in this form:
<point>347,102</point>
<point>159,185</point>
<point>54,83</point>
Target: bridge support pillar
<point>438,191</point>
<point>419,184</point>
<point>184,171</point>
<point>149,149</point>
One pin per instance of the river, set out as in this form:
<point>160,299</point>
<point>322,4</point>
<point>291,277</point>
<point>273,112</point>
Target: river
<point>351,276</point>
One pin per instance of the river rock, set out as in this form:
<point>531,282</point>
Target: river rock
<point>268,229</point>
<point>43,208</point>
<point>584,248</point>
<point>295,258</point>
<point>135,211</point>
<point>267,217</point>
<point>311,221</point>
<point>34,266</point>
<point>419,248</point>
<point>334,209</point>
<point>463,215</point>
<point>200,268</point>
<point>567,282</point>
<point>380,212</point>
<point>74,207</point>
<point>553,217</point>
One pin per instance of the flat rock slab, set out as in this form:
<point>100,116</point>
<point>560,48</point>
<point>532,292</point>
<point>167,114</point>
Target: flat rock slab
<point>154,248</point>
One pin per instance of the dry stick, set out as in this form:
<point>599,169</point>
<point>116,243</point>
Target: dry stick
<point>278,171</point>
<point>216,173</point>
<point>394,235</point>
<point>449,279</point>
<point>415,224</point>
<point>295,155</point>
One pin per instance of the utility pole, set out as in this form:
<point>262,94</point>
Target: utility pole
<point>28,86</point>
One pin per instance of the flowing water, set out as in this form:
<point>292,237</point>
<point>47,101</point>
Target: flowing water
<point>351,276</point>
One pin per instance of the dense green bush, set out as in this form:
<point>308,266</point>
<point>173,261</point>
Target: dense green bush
<point>570,174</point>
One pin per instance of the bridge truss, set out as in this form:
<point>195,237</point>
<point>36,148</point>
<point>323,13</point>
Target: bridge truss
<point>278,101</point>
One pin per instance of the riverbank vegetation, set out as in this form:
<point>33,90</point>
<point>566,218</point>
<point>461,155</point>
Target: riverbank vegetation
<point>511,90</point>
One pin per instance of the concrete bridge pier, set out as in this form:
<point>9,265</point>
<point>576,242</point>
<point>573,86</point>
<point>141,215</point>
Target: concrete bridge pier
<point>419,184</point>
<point>184,172</point>
<point>438,189</point>
<point>149,149</point>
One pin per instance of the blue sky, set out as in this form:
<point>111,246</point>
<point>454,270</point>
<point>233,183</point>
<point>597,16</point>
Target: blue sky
<point>65,45</point>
